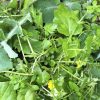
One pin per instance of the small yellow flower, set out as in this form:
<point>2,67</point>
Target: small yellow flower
<point>51,85</point>
<point>79,63</point>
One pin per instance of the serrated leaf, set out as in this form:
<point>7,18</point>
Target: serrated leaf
<point>67,21</point>
<point>37,17</point>
<point>71,48</point>
<point>50,28</point>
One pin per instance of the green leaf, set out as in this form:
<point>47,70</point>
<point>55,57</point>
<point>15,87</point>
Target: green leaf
<point>21,95</point>
<point>97,37</point>
<point>74,87</point>
<point>9,50</point>
<point>27,3</point>
<point>95,70</point>
<point>4,78</point>
<point>3,87</point>
<point>17,28</point>
<point>5,62</point>
<point>43,78</point>
<point>12,4</point>
<point>12,95</point>
<point>71,47</point>
<point>16,86</point>
<point>9,93</point>
<point>50,28</point>
<point>24,44</point>
<point>73,5</point>
<point>35,87</point>
<point>46,43</point>
<point>37,46</point>
<point>37,70</point>
<point>59,82</point>
<point>8,22</point>
<point>57,1</point>
<point>31,33</point>
<point>2,36</point>
<point>37,17</point>
<point>47,7</point>
<point>88,43</point>
<point>30,95</point>
<point>67,21</point>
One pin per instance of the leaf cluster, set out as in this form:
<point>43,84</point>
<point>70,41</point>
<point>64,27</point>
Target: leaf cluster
<point>49,49</point>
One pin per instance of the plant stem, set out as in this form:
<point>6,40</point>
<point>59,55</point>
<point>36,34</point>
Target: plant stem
<point>11,16</point>
<point>22,49</point>
<point>70,73</point>
<point>30,46</point>
<point>23,74</point>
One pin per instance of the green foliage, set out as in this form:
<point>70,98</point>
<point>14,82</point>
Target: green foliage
<point>5,62</point>
<point>49,50</point>
<point>67,21</point>
<point>47,7</point>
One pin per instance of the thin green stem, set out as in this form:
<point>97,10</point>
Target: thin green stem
<point>11,16</point>
<point>22,49</point>
<point>23,74</point>
<point>58,62</point>
<point>70,74</point>
<point>30,46</point>
<point>82,17</point>
<point>66,61</point>
<point>36,59</point>
<point>46,90</point>
<point>68,95</point>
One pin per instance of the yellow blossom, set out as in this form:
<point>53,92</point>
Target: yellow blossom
<point>79,63</point>
<point>50,84</point>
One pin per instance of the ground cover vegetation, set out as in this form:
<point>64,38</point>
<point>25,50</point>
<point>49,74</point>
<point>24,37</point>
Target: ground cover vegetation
<point>49,50</point>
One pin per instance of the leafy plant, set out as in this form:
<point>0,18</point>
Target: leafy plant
<point>49,50</point>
